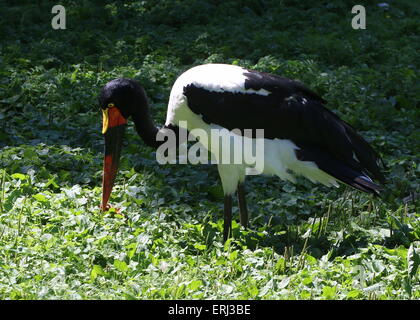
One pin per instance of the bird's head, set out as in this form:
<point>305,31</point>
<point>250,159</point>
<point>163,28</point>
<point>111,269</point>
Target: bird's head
<point>119,99</point>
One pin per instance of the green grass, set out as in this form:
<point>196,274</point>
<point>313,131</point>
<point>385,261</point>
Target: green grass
<point>305,241</point>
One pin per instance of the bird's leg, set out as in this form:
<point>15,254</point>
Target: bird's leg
<point>243,210</point>
<point>227,226</point>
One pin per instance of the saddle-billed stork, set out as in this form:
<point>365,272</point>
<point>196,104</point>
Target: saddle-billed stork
<point>301,136</point>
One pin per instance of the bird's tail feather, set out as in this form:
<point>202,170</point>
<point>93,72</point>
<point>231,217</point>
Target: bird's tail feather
<point>367,156</point>
<point>337,169</point>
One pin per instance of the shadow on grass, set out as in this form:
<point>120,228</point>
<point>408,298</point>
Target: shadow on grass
<point>284,239</point>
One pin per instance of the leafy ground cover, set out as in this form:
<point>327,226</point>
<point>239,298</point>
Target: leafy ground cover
<point>305,241</point>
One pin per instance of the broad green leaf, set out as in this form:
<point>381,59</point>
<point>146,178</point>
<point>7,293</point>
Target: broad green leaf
<point>329,292</point>
<point>194,285</point>
<point>200,247</point>
<point>306,281</point>
<point>40,197</point>
<point>354,294</point>
<point>96,271</point>
<point>253,291</point>
<point>310,259</point>
<point>131,249</point>
<point>120,265</point>
<point>19,176</point>
<point>233,255</point>
<point>305,294</point>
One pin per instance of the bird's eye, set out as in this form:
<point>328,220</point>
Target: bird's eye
<point>111,105</point>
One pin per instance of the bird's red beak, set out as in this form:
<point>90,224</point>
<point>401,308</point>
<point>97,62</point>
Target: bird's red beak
<point>113,129</point>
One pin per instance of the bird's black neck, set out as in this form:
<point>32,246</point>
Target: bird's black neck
<point>146,129</point>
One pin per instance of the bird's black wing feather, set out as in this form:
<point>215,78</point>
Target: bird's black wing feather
<point>291,111</point>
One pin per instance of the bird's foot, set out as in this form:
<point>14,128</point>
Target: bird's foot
<point>111,210</point>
